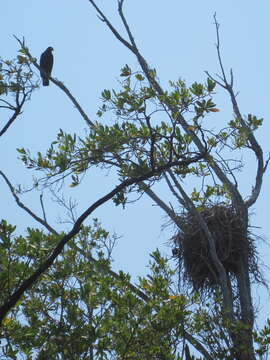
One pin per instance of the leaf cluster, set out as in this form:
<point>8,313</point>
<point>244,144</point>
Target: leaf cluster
<point>16,76</point>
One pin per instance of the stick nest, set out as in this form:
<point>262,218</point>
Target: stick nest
<point>232,241</point>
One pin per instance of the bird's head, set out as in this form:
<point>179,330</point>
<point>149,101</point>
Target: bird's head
<point>50,48</point>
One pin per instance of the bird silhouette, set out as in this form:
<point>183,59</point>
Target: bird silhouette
<point>46,65</point>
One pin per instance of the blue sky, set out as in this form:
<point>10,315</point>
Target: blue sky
<point>177,38</point>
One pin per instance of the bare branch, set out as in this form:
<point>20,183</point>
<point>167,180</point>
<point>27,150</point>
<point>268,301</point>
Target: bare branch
<point>72,98</point>
<point>173,189</point>
<point>120,10</point>
<point>25,208</point>
<point>102,17</point>
<point>68,205</point>
<point>42,206</point>
<point>132,48</point>
<point>16,113</point>
<point>218,50</point>
<point>255,147</point>
<point>214,79</point>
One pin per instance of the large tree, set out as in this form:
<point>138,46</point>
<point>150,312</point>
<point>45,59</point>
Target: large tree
<point>60,298</point>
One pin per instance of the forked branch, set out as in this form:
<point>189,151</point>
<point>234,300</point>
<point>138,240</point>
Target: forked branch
<point>254,145</point>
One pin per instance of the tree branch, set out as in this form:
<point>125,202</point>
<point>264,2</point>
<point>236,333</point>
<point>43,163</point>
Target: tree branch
<point>120,11</point>
<point>111,27</point>
<point>255,147</point>
<point>180,200</point>
<point>42,207</point>
<point>173,216</point>
<point>25,208</point>
<point>20,89</point>
<point>16,113</point>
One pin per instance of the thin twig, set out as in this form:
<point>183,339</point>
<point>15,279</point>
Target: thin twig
<point>42,206</point>
<point>218,50</point>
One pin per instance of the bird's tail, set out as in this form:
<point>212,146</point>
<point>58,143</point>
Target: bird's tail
<point>45,82</point>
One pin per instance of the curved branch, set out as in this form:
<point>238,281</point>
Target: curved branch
<point>12,119</point>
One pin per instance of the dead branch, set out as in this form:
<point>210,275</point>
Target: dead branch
<point>254,145</point>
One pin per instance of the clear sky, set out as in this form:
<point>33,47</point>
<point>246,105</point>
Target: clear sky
<point>177,38</point>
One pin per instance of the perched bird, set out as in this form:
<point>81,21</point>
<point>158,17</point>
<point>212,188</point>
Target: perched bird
<point>46,64</point>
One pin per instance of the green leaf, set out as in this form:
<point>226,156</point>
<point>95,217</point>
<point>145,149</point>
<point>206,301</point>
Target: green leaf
<point>211,84</point>
<point>125,71</point>
<point>197,89</point>
<point>139,77</point>
<point>106,94</point>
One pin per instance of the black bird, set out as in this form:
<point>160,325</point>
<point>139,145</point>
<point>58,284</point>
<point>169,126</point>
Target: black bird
<point>46,65</point>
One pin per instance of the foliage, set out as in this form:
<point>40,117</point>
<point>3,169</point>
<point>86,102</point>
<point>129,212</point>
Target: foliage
<point>137,142</point>
<point>17,83</point>
<point>16,76</point>
<point>78,308</point>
